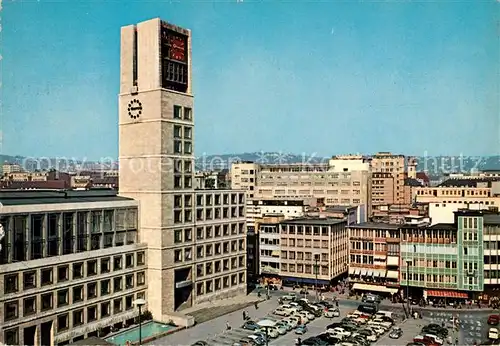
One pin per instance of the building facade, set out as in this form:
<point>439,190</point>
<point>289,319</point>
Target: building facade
<point>70,265</point>
<point>244,177</point>
<point>345,180</point>
<point>156,134</point>
<point>385,162</point>
<point>313,250</point>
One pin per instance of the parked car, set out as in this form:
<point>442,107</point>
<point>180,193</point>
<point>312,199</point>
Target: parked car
<point>493,320</point>
<point>300,330</point>
<point>493,334</point>
<point>396,333</point>
<point>325,304</point>
<point>281,328</point>
<point>200,343</point>
<point>250,325</point>
<point>289,297</point>
<point>282,312</point>
<point>314,341</point>
<point>330,313</point>
<point>285,324</point>
<point>257,340</point>
<point>304,292</point>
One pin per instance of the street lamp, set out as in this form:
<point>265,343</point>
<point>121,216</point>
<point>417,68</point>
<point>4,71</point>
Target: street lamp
<point>140,303</point>
<point>408,262</point>
<point>316,259</point>
<point>266,324</point>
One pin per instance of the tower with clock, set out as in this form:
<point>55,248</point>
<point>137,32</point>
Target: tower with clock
<point>156,128</point>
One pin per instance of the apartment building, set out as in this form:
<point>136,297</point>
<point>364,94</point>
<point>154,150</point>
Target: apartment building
<point>8,168</point>
<point>345,180</point>
<point>244,177</point>
<point>211,180</point>
<point>313,250</point>
<point>394,165</point>
<point>70,265</point>
<point>374,257</point>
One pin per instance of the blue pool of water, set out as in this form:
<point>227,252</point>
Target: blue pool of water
<point>148,330</point>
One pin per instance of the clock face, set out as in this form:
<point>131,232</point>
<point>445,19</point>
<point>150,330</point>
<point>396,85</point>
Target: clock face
<point>134,109</point>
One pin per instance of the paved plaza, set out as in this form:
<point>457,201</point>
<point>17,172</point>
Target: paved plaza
<point>473,326</point>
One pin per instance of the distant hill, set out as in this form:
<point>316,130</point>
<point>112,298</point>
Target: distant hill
<point>434,165</point>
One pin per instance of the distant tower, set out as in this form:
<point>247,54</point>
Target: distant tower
<point>156,151</point>
<point>412,167</point>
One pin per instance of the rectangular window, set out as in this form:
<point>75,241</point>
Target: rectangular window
<point>177,112</point>
<point>188,113</point>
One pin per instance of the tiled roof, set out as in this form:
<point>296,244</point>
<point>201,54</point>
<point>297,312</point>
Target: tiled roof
<point>443,226</point>
<point>423,176</point>
<point>25,185</point>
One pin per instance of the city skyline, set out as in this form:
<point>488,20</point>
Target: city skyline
<point>417,71</point>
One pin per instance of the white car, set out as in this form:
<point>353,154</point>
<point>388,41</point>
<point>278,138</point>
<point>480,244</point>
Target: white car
<point>272,332</point>
<point>339,331</point>
<point>282,312</point>
<point>289,307</point>
<point>289,296</point>
<point>302,316</point>
<point>331,313</point>
<point>372,338</point>
<point>377,330</point>
<point>282,329</point>
<point>493,334</point>
<point>310,316</point>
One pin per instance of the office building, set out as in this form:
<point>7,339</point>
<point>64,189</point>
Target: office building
<point>70,265</point>
<point>244,177</point>
<point>389,170</point>
<point>313,250</point>
<point>156,132</point>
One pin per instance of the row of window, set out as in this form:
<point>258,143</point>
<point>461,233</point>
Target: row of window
<point>218,284</point>
<point>316,243</point>
<point>208,232</point>
<point>301,268</point>
<point>217,249</point>
<point>308,230</point>
<point>183,113</point>
<point>32,279</point>
<point>219,266</point>
<point>307,256</point>
<point>62,296</point>
<point>85,315</point>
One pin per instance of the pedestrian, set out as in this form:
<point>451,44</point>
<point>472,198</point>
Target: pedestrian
<point>299,341</point>
<point>228,326</point>
<point>336,303</point>
<point>256,305</point>
<point>244,315</point>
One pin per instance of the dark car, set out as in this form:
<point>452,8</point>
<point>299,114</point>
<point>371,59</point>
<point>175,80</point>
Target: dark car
<point>493,320</point>
<point>396,333</point>
<point>304,291</point>
<point>333,325</point>
<point>200,343</point>
<point>435,329</point>
<point>325,304</point>
<point>331,340</point>
<point>314,341</point>
<point>250,325</point>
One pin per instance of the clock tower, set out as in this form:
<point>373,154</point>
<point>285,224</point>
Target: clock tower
<point>156,151</point>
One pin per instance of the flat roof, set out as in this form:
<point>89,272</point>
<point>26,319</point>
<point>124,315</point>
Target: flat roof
<point>491,219</point>
<point>314,221</point>
<point>28,197</point>
<point>443,226</point>
<point>376,225</point>
<point>94,341</point>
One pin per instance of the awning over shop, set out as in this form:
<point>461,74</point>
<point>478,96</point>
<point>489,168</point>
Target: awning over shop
<point>351,270</point>
<point>447,294</point>
<point>369,272</point>
<point>378,273</point>
<point>363,272</point>
<point>393,261</point>
<point>392,274</point>
<point>374,288</point>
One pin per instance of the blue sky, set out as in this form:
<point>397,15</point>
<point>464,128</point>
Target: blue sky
<point>314,77</point>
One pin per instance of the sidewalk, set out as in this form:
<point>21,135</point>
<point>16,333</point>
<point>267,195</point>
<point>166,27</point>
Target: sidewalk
<point>344,298</point>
